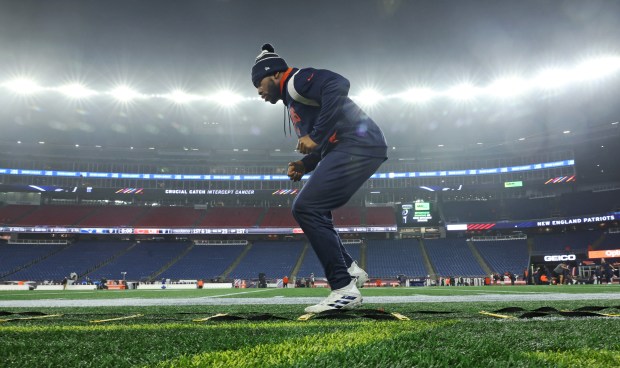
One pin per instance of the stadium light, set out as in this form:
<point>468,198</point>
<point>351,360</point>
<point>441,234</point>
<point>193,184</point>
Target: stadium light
<point>124,93</point>
<point>546,79</point>
<point>552,78</point>
<point>368,97</point>
<point>76,90</point>
<point>180,97</point>
<point>463,92</point>
<point>418,95</point>
<point>598,67</point>
<point>23,86</point>
<point>507,87</point>
<point>226,98</point>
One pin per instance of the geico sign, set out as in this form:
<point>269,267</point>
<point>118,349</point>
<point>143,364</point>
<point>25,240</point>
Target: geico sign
<point>565,257</point>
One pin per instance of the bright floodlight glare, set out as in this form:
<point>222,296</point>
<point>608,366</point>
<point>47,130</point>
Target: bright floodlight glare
<point>507,87</point>
<point>368,97</point>
<point>226,98</point>
<point>463,92</point>
<point>553,78</point>
<point>23,86</point>
<point>418,95</point>
<point>76,90</point>
<point>124,93</point>
<point>181,97</point>
<point>598,68</point>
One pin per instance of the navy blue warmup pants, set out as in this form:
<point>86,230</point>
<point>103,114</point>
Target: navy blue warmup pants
<point>332,183</point>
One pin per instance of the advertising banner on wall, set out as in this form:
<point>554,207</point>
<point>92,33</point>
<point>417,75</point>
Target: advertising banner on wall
<point>610,253</point>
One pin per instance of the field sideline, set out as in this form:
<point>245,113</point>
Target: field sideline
<point>312,292</point>
<point>437,334</point>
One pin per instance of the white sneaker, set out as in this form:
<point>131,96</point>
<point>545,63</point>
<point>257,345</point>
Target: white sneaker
<point>360,275</point>
<point>348,297</point>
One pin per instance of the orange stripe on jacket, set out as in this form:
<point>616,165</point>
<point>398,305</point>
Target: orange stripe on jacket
<point>286,74</point>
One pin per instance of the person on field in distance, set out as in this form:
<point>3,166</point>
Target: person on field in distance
<point>343,147</point>
<point>560,272</point>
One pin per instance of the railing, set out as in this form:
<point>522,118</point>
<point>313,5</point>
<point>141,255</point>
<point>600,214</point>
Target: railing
<point>498,237</point>
<point>351,241</point>
<point>37,241</point>
<point>220,242</point>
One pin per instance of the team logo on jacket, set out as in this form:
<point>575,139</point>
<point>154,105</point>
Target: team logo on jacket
<point>294,116</point>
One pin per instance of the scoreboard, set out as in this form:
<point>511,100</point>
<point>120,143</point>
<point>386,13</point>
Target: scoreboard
<point>415,213</point>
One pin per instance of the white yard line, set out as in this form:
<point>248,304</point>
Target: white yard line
<point>485,292</point>
<point>59,292</point>
<point>42,303</point>
<point>241,292</point>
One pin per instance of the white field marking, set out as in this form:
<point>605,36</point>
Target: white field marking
<point>41,303</point>
<point>484,292</point>
<point>517,292</point>
<point>241,292</point>
<point>62,292</point>
<point>59,292</point>
<point>155,290</point>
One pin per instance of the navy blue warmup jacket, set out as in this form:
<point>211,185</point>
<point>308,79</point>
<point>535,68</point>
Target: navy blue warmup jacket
<point>335,122</point>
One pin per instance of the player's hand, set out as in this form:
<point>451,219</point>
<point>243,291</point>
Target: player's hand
<point>296,170</point>
<point>305,144</point>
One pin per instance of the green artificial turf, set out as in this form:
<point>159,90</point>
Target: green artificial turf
<point>167,336</point>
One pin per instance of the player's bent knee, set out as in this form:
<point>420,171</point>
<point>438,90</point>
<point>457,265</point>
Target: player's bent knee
<point>297,208</point>
<point>301,208</point>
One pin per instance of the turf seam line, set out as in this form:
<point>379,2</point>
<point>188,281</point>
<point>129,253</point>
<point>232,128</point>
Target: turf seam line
<point>496,315</point>
<point>117,319</point>
<point>27,318</point>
